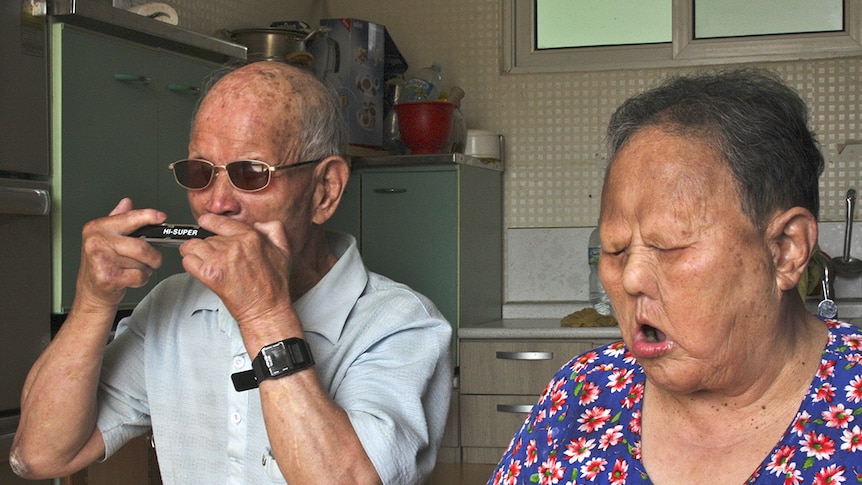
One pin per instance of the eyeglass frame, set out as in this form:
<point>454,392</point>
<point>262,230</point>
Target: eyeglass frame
<point>270,168</point>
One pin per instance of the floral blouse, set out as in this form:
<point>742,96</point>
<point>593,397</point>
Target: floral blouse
<point>586,426</point>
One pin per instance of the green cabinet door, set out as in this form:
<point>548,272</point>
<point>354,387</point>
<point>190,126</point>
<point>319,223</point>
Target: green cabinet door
<point>104,143</point>
<point>121,113</point>
<point>410,231</point>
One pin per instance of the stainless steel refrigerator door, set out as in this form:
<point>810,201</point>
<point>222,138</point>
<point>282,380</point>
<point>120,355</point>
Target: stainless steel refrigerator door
<point>25,284</point>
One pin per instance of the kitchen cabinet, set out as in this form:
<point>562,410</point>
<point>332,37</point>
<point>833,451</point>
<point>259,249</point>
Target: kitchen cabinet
<point>121,112</point>
<point>433,223</point>
<point>503,373</point>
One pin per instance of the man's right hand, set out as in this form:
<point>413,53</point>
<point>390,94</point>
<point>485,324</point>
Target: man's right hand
<point>111,261</point>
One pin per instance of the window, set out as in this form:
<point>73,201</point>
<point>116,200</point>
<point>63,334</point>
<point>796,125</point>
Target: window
<point>680,33</point>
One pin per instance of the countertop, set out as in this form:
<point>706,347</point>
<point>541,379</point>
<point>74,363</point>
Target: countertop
<point>533,328</point>
<point>101,16</point>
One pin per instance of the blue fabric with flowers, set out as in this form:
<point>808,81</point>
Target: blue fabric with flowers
<point>586,426</point>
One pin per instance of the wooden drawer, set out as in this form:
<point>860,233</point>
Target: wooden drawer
<point>492,420</point>
<point>514,366</point>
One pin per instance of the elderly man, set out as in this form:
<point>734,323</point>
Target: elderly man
<point>277,356</point>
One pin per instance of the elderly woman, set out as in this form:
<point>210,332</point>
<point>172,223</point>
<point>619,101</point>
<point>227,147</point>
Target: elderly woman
<point>708,220</point>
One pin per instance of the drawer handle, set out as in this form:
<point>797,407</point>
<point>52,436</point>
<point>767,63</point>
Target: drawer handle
<point>390,190</point>
<point>514,408</point>
<point>132,79</point>
<point>525,355</point>
<point>184,88</point>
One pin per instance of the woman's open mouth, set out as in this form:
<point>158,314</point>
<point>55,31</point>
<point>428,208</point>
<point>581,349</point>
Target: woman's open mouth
<point>650,342</point>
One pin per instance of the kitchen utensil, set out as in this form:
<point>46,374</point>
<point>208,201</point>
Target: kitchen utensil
<point>275,43</point>
<point>425,125</point>
<point>484,144</point>
<point>846,264</point>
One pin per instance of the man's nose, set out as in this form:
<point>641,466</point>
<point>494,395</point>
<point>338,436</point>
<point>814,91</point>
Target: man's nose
<point>222,194</point>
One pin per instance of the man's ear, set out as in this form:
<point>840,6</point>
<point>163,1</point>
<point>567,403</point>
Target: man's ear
<point>792,238</point>
<point>331,175</point>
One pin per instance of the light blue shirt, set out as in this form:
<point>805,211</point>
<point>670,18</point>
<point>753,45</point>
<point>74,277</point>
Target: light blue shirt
<point>381,351</point>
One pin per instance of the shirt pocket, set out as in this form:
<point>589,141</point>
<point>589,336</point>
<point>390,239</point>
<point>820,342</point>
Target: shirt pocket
<point>270,467</point>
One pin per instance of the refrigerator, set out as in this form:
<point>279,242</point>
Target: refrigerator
<point>25,205</point>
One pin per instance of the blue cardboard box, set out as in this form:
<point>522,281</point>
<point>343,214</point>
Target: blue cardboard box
<point>350,57</point>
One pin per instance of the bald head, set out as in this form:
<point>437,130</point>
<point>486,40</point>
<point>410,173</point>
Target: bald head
<point>300,110</point>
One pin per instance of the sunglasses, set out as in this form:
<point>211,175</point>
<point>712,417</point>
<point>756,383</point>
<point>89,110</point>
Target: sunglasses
<point>245,175</point>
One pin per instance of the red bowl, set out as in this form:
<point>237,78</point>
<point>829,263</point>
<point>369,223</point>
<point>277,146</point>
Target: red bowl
<point>425,125</point>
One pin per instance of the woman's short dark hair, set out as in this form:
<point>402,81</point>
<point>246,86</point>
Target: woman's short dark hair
<point>753,118</point>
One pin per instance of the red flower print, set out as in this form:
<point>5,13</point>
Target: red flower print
<point>801,422</point>
<point>551,471</point>
<point>837,416</point>
<point>829,475</point>
<point>594,419</point>
<point>854,389</point>
<point>819,446</point>
<point>611,437</point>
<point>827,369</point>
<point>852,439</point>
<point>558,400</point>
<point>540,416</point>
<point>824,393</point>
<point>532,454</point>
<point>590,469</point>
<point>635,423</point>
<point>589,393</point>
<point>619,379</point>
<point>615,349</point>
<point>620,472</point>
<point>636,393</point>
<point>779,460</point>
<point>579,449</point>
<point>853,341</point>
<point>512,473</point>
<point>792,476</point>
<point>584,360</point>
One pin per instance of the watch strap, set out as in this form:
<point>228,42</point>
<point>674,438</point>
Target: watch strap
<point>276,360</point>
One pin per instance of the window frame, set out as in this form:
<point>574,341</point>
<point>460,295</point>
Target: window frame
<point>521,56</point>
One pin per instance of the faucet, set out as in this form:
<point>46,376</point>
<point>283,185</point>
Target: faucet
<point>827,308</point>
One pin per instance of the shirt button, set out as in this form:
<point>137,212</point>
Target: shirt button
<point>238,362</point>
<point>235,417</point>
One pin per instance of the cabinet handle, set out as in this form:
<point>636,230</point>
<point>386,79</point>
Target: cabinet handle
<point>184,88</point>
<point>525,355</point>
<point>132,79</point>
<point>24,201</point>
<point>390,190</point>
<point>514,408</point>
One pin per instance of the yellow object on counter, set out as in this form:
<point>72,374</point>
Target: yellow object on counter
<point>588,317</point>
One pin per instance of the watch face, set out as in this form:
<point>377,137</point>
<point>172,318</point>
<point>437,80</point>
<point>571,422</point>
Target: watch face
<point>277,359</point>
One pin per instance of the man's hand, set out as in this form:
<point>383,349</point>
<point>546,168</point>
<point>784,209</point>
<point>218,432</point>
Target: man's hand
<point>111,261</point>
<point>247,267</point>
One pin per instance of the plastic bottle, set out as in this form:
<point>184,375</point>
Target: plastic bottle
<point>458,135</point>
<point>425,84</point>
<point>598,297</point>
<point>391,133</point>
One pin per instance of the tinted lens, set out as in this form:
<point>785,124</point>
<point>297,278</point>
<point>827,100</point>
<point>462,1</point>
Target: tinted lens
<point>193,174</point>
<point>248,174</point>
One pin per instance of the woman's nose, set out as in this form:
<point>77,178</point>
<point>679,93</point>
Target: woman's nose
<point>636,274</point>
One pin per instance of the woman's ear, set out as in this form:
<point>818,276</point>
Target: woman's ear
<point>792,238</point>
<point>331,178</point>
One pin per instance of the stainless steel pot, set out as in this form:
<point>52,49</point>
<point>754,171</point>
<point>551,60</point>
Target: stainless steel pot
<point>272,43</point>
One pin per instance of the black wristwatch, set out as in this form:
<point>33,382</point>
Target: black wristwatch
<point>275,360</point>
